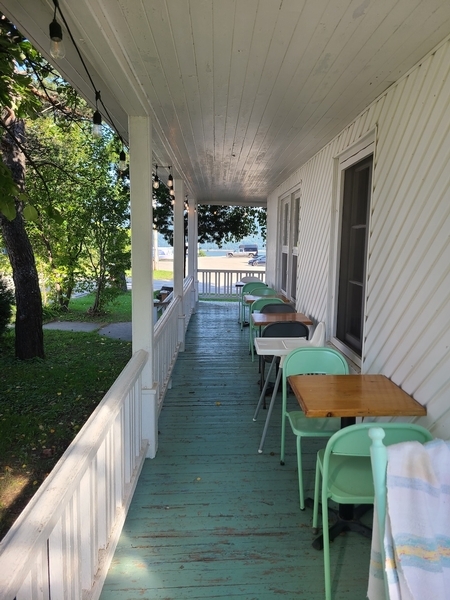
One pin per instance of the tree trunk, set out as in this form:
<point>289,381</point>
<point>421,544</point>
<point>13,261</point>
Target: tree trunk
<point>29,342</point>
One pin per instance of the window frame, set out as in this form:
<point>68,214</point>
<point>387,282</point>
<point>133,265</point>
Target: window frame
<point>289,208</point>
<point>358,152</point>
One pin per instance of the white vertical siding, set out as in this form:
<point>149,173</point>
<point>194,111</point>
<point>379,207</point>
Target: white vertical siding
<point>407,327</point>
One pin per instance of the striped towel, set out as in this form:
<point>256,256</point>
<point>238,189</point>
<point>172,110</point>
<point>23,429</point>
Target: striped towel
<point>417,531</point>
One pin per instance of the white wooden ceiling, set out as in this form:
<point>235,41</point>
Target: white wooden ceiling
<point>241,92</point>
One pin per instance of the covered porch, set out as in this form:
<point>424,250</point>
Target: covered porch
<point>255,103</point>
<point>210,517</point>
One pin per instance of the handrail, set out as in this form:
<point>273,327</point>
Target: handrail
<point>94,476</point>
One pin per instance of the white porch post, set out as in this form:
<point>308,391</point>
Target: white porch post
<point>140,130</point>
<point>193,249</point>
<point>179,253</point>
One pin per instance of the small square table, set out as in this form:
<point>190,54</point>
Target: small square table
<point>351,396</point>
<point>348,397</point>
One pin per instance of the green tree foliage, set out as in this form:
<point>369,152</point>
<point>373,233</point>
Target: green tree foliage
<point>89,243</point>
<point>107,240</point>
<point>17,101</point>
<point>6,304</point>
<point>216,224</point>
<point>39,184</point>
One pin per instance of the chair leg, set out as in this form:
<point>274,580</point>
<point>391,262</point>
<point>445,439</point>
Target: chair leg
<point>300,473</point>
<point>326,547</point>
<point>242,314</point>
<point>316,498</point>
<point>283,435</point>
<point>283,420</point>
<point>262,396</point>
<point>269,411</point>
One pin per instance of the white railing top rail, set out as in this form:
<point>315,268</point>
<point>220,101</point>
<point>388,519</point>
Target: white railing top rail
<point>33,527</point>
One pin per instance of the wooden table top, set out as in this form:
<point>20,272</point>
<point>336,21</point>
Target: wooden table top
<point>352,396</point>
<point>262,319</point>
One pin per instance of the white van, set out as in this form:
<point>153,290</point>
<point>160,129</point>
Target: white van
<point>244,250</point>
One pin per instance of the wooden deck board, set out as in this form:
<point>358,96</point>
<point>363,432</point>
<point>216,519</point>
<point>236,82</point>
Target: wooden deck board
<point>212,518</point>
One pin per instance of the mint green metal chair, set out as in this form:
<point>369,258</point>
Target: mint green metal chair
<point>256,306</point>
<point>378,460</point>
<point>248,289</point>
<point>345,470</point>
<point>314,360</point>
<point>267,291</point>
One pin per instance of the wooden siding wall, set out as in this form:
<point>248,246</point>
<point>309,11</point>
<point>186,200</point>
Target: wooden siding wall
<point>407,328</point>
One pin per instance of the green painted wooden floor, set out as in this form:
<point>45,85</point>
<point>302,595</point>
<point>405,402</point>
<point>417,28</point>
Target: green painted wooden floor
<point>212,518</point>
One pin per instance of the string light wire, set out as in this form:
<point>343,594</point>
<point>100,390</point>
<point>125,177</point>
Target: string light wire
<point>97,93</point>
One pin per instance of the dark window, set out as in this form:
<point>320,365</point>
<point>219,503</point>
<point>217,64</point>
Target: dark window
<point>352,265</point>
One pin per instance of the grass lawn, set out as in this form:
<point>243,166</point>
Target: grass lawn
<point>43,403</point>
<point>116,312</point>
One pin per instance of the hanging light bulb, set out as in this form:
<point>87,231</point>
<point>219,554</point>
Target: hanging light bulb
<point>156,179</point>
<point>57,49</point>
<point>170,180</point>
<point>172,192</point>
<point>97,124</point>
<point>122,160</point>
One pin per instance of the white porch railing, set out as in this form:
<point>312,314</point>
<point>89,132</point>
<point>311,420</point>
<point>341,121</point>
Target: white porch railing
<point>222,283</point>
<point>61,545</point>
<point>68,531</point>
<point>189,300</point>
<point>169,337</point>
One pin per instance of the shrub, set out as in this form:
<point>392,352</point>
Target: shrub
<point>6,304</point>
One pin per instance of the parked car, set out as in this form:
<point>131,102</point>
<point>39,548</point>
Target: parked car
<point>257,261</point>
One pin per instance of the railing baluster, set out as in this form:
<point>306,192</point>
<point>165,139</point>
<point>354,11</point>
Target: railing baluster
<point>224,286</point>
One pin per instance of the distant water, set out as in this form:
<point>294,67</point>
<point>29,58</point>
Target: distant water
<point>214,252</point>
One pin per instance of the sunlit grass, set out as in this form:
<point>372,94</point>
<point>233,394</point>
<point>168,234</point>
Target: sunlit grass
<point>44,403</point>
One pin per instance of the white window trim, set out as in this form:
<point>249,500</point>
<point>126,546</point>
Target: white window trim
<point>354,154</point>
<point>289,196</point>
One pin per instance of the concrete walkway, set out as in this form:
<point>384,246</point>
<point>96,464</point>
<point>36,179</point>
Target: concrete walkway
<point>118,331</point>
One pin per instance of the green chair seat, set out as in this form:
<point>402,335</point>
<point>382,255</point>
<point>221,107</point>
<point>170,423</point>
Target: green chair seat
<point>349,478</point>
<point>344,469</point>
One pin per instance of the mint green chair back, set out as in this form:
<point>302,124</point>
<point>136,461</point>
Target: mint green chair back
<point>248,289</point>
<point>256,306</point>
<point>308,361</point>
<point>267,291</point>
<point>378,460</point>
<point>344,468</point>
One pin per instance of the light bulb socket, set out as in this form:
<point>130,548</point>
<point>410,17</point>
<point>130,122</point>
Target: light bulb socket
<point>97,118</point>
<point>97,124</point>
<point>122,161</point>
<point>55,31</point>
<point>170,182</point>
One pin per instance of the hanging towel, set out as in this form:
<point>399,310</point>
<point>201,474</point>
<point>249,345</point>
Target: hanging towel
<point>417,529</point>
